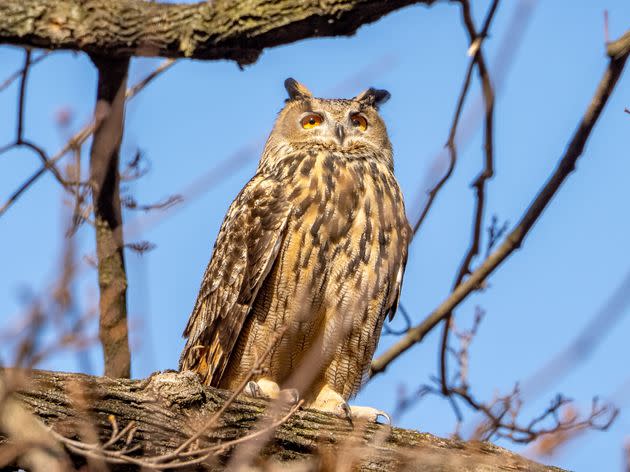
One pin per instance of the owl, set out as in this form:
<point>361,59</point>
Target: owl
<point>313,247</point>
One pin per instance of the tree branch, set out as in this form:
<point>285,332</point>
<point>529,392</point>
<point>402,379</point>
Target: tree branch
<point>168,408</point>
<point>105,181</point>
<point>488,169</point>
<point>221,29</point>
<point>619,51</point>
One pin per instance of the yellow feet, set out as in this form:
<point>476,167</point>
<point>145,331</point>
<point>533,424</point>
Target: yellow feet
<point>267,388</point>
<point>331,401</point>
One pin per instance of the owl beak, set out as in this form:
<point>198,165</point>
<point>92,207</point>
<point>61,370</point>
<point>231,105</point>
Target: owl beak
<point>340,133</point>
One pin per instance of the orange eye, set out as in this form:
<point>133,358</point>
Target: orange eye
<point>311,121</point>
<point>359,121</point>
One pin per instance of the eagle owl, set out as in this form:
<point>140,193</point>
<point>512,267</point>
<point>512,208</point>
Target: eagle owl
<point>314,246</point>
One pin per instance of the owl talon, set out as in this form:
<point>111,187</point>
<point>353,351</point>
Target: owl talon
<point>252,389</point>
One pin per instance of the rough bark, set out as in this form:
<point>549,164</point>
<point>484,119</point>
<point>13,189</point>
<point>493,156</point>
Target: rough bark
<point>168,407</point>
<point>105,181</point>
<point>219,29</point>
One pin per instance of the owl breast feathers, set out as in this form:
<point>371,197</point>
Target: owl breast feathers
<point>315,246</point>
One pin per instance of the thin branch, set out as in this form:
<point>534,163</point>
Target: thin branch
<point>131,204</point>
<point>137,87</point>
<point>19,135</point>
<point>488,169</point>
<point>181,460</point>
<point>534,211</point>
<point>21,95</point>
<point>18,73</point>
<point>451,148</point>
<point>79,138</point>
<point>502,413</point>
<point>504,58</point>
<point>47,163</point>
<point>495,233</point>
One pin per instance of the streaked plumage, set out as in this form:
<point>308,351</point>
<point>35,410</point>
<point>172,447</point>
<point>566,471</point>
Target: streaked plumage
<point>316,241</point>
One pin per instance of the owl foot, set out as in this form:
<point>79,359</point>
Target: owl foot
<point>330,401</point>
<point>268,389</point>
<point>369,414</point>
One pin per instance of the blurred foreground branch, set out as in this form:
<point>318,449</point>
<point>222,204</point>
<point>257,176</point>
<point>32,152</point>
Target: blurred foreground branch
<point>154,416</point>
<point>28,442</point>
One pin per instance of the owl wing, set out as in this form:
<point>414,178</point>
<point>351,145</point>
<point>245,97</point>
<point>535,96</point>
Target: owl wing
<point>245,249</point>
<point>394,297</point>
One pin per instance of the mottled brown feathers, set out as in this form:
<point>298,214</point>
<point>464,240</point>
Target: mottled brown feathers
<point>316,242</point>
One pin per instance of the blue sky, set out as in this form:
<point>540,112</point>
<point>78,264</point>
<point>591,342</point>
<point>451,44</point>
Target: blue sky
<point>198,114</point>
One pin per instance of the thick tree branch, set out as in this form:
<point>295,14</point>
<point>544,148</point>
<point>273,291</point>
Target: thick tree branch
<point>168,408</point>
<point>618,51</point>
<point>105,181</point>
<point>221,29</point>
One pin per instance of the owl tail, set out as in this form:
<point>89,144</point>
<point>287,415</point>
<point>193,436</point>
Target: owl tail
<point>205,361</point>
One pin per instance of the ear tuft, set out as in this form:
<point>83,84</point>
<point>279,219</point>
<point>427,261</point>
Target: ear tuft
<point>296,90</point>
<point>373,97</point>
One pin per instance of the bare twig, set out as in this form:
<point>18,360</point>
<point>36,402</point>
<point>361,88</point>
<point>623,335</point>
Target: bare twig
<point>19,138</point>
<point>476,57</point>
<point>501,414</point>
<point>495,233</point>
<point>181,460</point>
<point>488,169</point>
<point>529,218</point>
<point>21,94</point>
<point>503,59</point>
<point>131,204</point>
<point>18,73</point>
<point>79,138</point>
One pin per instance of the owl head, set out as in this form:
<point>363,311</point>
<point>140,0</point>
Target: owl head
<point>345,127</point>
